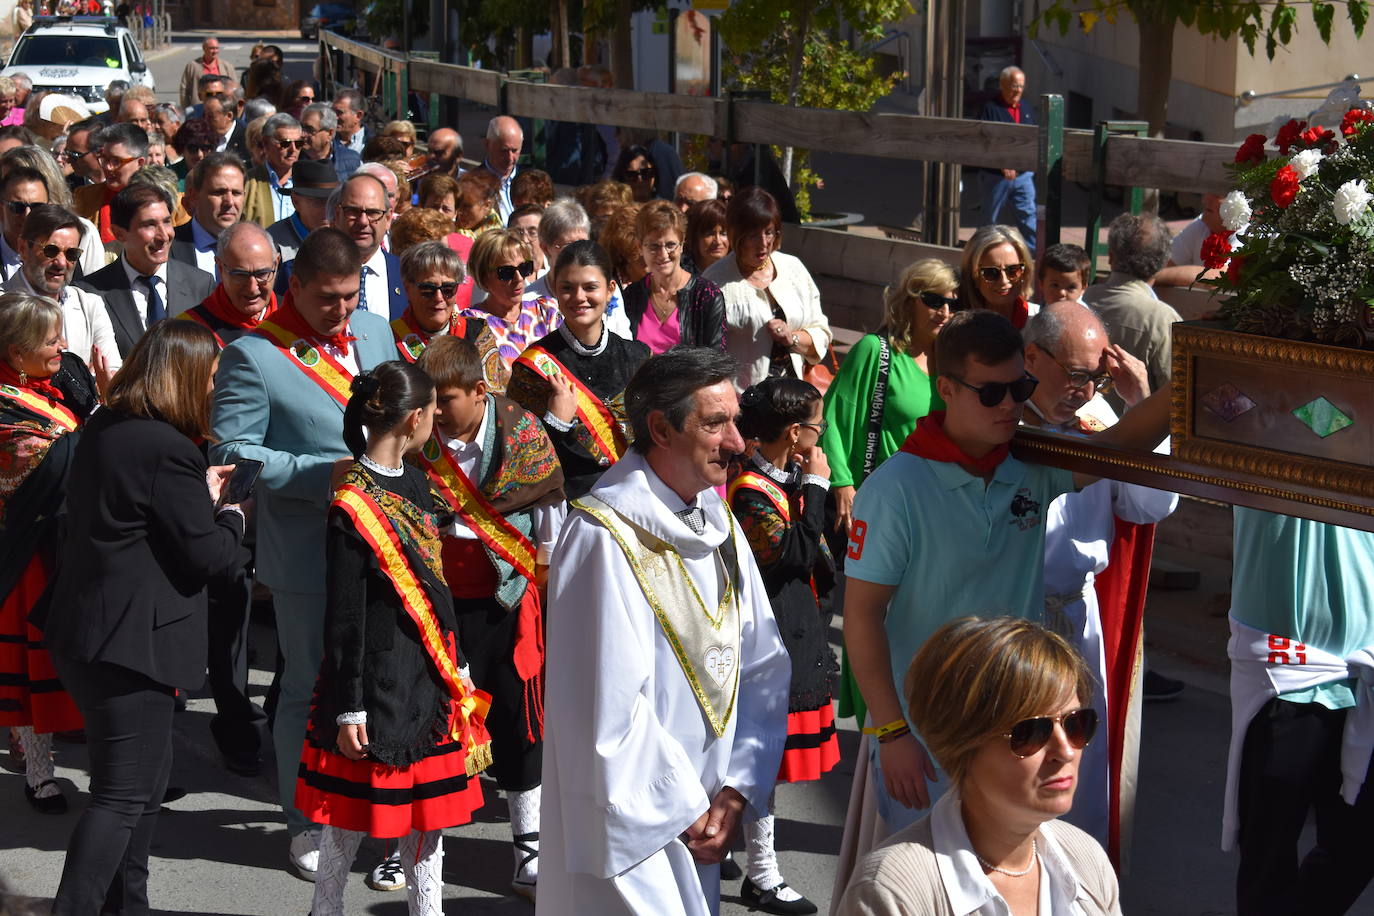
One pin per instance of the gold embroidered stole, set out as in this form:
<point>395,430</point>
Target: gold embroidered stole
<point>707,645</point>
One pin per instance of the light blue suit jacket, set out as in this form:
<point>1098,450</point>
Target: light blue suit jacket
<point>266,408</point>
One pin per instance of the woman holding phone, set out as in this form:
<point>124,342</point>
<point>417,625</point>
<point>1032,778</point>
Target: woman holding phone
<point>126,619</point>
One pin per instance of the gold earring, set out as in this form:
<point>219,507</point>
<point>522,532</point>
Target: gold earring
<point>23,378</point>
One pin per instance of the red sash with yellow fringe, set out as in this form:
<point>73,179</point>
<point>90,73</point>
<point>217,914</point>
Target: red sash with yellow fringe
<point>591,410</point>
<point>318,366</point>
<point>36,403</point>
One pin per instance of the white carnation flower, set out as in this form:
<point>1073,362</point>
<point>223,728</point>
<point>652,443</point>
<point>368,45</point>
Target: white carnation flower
<point>1305,163</point>
<point>1235,211</point>
<point>1352,198</point>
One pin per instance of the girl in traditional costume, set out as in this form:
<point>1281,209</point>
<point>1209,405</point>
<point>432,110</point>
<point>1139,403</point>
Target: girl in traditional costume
<point>397,732</point>
<point>779,499</point>
<point>45,395</point>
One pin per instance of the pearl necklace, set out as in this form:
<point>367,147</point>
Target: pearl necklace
<point>1010,874</point>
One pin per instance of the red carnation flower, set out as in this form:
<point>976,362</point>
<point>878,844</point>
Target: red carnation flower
<point>1252,150</point>
<point>1285,186</point>
<point>1216,250</point>
<point>1354,118</point>
<point>1317,137</point>
<point>1288,135</point>
<point>1233,270</point>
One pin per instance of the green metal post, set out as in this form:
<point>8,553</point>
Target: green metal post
<point>1050,168</point>
<point>1135,195</point>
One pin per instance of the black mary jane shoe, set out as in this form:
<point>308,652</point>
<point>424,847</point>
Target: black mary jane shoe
<point>768,901</point>
<point>53,804</point>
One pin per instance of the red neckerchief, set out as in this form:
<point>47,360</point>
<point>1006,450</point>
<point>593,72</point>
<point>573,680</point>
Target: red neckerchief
<point>8,376</point>
<point>1020,313</point>
<point>218,304</point>
<point>929,441</point>
<point>457,326</point>
<point>103,217</point>
<point>289,318</point>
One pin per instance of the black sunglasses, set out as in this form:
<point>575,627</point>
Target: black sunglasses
<point>935,302</point>
<point>992,393</point>
<point>506,272</point>
<point>993,274</point>
<point>52,251</point>
<point>1028,736</point>
<point>19,207</point>
<point>643,174</point>
<point>448,290</point>
<point>1081,378</point>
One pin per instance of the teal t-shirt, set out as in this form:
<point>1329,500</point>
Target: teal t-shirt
<point>1309,581</point>
<point>952,546</point>
<point>910,395</point>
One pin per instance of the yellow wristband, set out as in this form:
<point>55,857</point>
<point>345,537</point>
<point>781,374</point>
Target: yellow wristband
<point>890,727</point>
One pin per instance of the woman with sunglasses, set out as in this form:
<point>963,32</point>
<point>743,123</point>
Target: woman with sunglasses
<point>635,167</point>
<point>575,378</point>
<point>779,500</point>
<point>1002,703</point>
<point>998,273</point>
<point>502,263</point>
<point>433,278</point>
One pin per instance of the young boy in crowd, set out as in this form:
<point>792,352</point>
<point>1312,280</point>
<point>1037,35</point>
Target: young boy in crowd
<point>949,526</point>
<point>1063,274</point>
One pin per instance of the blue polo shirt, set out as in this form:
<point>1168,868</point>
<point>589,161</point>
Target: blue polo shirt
<point>952,546</point>
<point>1308,581</point>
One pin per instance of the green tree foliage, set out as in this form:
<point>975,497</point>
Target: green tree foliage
<point>792,50</point>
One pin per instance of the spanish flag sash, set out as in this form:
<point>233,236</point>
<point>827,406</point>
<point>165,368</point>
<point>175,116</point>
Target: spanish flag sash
<point>375,527</point>
<point>410,340</point>
<point>56,413</point>
<point>591,410</point>
<point>194,314</point>
<point>318,366</point>
<point>464,498</point>
<point>752,480</point>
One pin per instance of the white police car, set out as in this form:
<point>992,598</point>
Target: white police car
<point>80,56</point>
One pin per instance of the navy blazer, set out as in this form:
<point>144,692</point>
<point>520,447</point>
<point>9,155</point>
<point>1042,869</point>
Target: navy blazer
<point>396,293</point>
<point>187,286</point>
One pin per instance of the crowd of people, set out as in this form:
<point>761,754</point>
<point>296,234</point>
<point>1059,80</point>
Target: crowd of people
<point>559,488</point>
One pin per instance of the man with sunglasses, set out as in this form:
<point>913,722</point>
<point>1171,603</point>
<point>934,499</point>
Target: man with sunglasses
<point>50,248</point>
<point>23,189</point>
<point>1108,522</point>
<point>122,151</point>
<point>80,154</point>
<point>267,197</point>
<point>932,522</point>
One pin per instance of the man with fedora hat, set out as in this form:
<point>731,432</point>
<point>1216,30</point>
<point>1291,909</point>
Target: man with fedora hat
<point>311,184</point>
<point>214,198</point>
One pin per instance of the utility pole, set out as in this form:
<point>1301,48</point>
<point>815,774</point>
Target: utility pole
<point>944,91</point>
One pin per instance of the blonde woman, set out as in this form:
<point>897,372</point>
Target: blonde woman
<point>403,131</point>
<point>23,17</point>
<point>998,273</point>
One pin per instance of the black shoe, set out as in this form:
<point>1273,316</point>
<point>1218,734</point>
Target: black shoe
<point>1158,687</point>
<point>730,870</point>
<point>53,804</point>
<point>172,794</point>
<point>768,901</point>
<point>243,763</point>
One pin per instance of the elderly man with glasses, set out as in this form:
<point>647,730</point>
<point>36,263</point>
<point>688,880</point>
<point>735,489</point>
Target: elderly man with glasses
<point>268,194</point>
<point>208,64</point>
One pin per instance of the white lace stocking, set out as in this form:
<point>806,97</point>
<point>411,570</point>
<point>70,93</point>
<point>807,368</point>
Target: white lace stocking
<point>338,849</point>
<point>422,857</point>
<point>38,765</point>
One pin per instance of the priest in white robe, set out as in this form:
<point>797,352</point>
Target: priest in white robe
<point>666,696</point>
<point>1067,349</point>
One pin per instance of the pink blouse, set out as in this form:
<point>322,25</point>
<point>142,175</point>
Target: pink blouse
<point>658,336</point>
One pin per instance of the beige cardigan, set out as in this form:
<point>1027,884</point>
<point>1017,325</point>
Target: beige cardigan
<point>901,878</point>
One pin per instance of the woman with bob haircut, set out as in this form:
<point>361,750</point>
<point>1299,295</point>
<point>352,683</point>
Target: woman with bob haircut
<point>437,288</point>
<point>502,264</point>
<point>773,320</point>
<point>1003,705</point>
<point>998,273</point>
<point>707,240</point>
<point>126,623</point>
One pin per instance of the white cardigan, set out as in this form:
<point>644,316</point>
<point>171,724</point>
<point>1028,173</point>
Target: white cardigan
<point>85,321</point>
<point>748,311</point>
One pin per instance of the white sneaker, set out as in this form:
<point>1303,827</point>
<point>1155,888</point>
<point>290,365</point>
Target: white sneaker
<point>305,853</point>
<point>388,875</point>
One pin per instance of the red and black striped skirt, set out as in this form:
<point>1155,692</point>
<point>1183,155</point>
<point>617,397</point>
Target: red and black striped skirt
<point>812,748</point>
<point>30,693</point>
<point>385,801</point>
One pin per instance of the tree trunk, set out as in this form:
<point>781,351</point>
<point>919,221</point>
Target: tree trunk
<point>1156,66</point>
<point>803,26</point>
<point>622,47</point>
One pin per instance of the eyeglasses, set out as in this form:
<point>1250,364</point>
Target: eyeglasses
<point>935,302</point>
<point>821,428</point>
<point>311,131</point>
<point>200,147</point>
<point>114,162</point>
<point>52,251</point>
<point>993,393</point>
<point>216,94</point>
<point>447,290</point>
<point>285,145</point>
<point>19,207</point>
<point>354,214</point>
<point>993,274</point>
<point>643,174</point>
<point>305,98</point>
<point>1028,736</point>
<point>668,248</point>
<point>506,272</point>
<point>1082,378</point>
<point>262,276</point>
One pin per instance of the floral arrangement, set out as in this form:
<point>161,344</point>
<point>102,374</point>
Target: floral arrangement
<point>1298,248</point>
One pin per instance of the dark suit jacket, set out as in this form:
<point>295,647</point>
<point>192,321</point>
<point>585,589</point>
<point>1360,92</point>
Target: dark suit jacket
<point>238,143</point>
<point>395,291</point>
<point>184,245</point>
<point>187,286</point>
<point>142,540</point>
